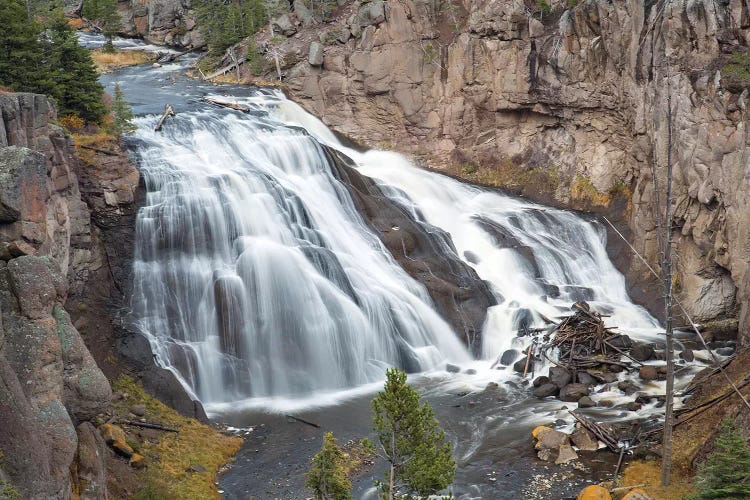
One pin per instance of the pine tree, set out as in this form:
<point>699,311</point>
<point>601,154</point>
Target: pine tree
<point>326,476</point>
<point>104,14</point>
<point>21,53</point>
<point>726,472</point>
<point>411,441</point>
<point>76,83</point>
<point>123,114</point>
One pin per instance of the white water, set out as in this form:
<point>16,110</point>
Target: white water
<point>256,279</point>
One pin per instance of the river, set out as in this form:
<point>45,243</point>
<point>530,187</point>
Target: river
<point>259,283</point>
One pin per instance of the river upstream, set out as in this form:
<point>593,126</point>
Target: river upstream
<point>259,283</point>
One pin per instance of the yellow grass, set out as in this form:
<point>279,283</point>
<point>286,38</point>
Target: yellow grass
<point>100,140</point>
<point>649,474</point>
<point>168,459</point>
<point>107,62</point>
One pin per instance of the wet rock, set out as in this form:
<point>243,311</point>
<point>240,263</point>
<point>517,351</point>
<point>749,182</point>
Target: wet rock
<point>520,365</point>
<point>643,399</point>
<point>582,439</point>
<point>621,342</point>
<point>452,368</point>
<point>586,378</point>
<point>687,355</point>
<point>492,386</point>
<point>607,377</point>
<point>594,492</point>
<point>606,403</point>
<point>633,406</point>
<point>470,371</point>
<point>566,454</point>
<point>586,402</point>
<point>546,390</point>
<point>628,387</point>
<point>573,392</point>
<point>725,351</point>
<point>642,352</point>
<point>540,381</point>
<point>509,357</point>
<point>559,376</point>
<point>648,372</point>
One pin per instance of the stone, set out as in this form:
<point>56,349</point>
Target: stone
<point>687,355</point>
<point>509,357</point>
<point>195,468</point>
<point>566,454</point>
<point>121,447</point>
<point>725,351</point>
<point>540,381</point>
<point>637,494</point>
<point>642,352</point>
<point>33,286</point>
<point>539,430</point>
<point>633,406</point>
<point>138,410</point>
<point>622,342</point>
<point>547,455</point>
<point>23,178</point>
<point>303,13</point>
<point>452,368</point>
<point>470,371</point>
<point>586,378</point>
<point>583,440</point>
<point>573,392</point>
<point>551,440</point>
<point>628,387</point>
<point>559,376</point>
<point>91,469</point>
<point>594,492</point>
<point>520,365</point>
<point>315,54</point>
<point>284,25</point>
<point>648,373</point>
<point>586,402</point>
<point>492,386</point>
<point>371,13</point>
<point>20,248</point>
<point>546,390</point>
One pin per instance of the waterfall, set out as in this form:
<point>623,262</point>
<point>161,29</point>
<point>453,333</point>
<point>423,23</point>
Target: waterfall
<point>254,274</point>
<point>256,277</point>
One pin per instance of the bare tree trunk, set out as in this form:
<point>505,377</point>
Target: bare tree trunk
<point>278,64</point>
<point>233,55</point>
<point>666,460</point>
<point>392,478</point>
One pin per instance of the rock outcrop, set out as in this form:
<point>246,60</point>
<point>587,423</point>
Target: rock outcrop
<point>163,22</point>
<point>568,106</point>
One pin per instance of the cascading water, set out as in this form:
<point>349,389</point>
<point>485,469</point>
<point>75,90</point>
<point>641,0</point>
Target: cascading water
<point>255,275</point>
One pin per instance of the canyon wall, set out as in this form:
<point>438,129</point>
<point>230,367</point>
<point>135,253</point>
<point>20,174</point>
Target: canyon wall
<point>162,22</point>
<point>564,102</point>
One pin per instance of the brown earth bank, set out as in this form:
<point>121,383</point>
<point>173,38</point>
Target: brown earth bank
<point>564,102</point>
<point>67,225</point>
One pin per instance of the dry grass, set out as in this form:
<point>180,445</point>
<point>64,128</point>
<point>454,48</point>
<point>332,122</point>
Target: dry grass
<point>172,454</point>
<point>583,190</point>
<point>100,140</point>
<point>106,62</point>
<point>76,23</point>
<point>649,474</point>
<point>510,175</point>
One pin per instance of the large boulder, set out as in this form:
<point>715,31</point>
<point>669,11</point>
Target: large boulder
<point>371,13</point>
<point>573,392</point>
<point>91,472</point>
<point>315,55</point>
<point>559,376</point>
<point>23,177</point>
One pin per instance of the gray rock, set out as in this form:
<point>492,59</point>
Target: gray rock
<point>315,55</point>
<point>284,25</point>
<point>586,378</point>
<point>642,352</point>
<point>138,410</point>
<point>540,381</point>
<point>91,469</point>
<point>725,351</point>
<point>586,402</point>
<point>583,440</point>
<point>520,365</point>
<point>622,342</point>
<point>23,177</point>
<point>628,387</point>
<point>551,440</point>
<point>573,392</point>
<point>546,390</point>
<point>371,13</point>
<point>452,368</point>
<point>303,14</point>
<point>687,355</point>
<point>559,376</point>
<point>566,454</point>
<point>509,357</point>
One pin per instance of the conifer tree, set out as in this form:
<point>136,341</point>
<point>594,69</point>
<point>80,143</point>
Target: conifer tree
<point>726,472</point>
<point>123,114</point>
<point>104,14</point>
<point>411,441</point>
<point>20,51</point>
<point>326,476</point>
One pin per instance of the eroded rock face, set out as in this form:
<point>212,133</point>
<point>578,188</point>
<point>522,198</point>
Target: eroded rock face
<point>577,97</point>
<point>169,22</point>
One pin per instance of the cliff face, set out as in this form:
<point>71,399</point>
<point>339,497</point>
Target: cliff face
<point>568,106</point>
<point>163,22</point>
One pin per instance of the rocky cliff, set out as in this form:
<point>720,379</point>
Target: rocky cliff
<point>163,22</point>
<point>563,101</point>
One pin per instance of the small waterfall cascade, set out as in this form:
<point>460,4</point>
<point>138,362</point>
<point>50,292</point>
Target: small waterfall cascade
<point>254,274</point>
<point>538,260</point>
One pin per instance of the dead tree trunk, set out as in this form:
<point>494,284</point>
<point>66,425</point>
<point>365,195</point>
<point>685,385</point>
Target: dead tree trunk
<point>168,111</point>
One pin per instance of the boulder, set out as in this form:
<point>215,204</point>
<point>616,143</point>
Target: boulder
<point>586,378</point>
<point>23,181</point>
<point>586,402</point>
<point>138,410</point>
<point>573,392</point>
<point>91,470</point>
<point>32,284</point>
<point>371,13</point>
<point>546,390</point>
<point>583,440</point>
<point>550,439</point>
<point>594,492</point>
<point>540,381</point>
<point>284,25</point>
<point>559,376</point>
<point>566,454</point>
<point>642,352</point>
<point>509,357</point>
<point>621,342</point>
<point>648,372</point>
<point>687,355</point>
<point>315,54</point>
<point>520,365</point>
<point>628,387</point>
<point>303,14</point>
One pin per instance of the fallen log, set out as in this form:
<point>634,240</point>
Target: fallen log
<point>168,111</point>
<point>149,425</point>
<point>225,69</point>
<point>302,420</point>
<point>230,105</point>
<point>168,58</point>
<point>599,432</point>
